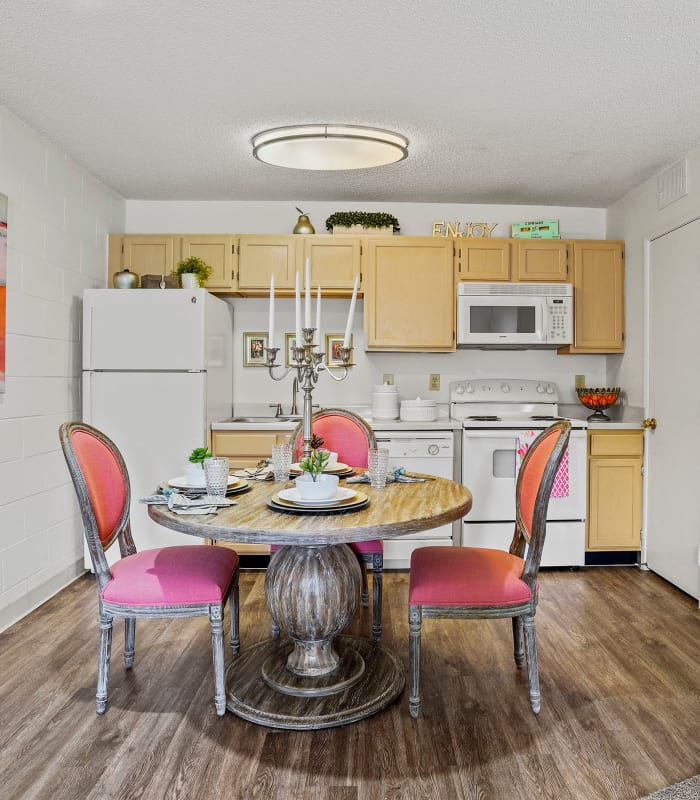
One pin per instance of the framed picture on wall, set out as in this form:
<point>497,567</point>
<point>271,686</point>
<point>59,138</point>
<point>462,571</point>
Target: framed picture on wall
<point>290,341</point>
<point>334,343</point>
<point>254,345</point>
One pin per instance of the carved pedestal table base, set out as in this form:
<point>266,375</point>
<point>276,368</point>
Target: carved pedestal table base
<point>315,679</point>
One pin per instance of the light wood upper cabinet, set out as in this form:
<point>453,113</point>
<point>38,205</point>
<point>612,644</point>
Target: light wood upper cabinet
<point>599,324</point>
<point>259,257</point>
<point>219,251</point>
<point>483,259</point>
<point>545,261</point>
<point>410,294</point>
<point>334,261</point>
<point>614,490</point>
<point>151,254</point>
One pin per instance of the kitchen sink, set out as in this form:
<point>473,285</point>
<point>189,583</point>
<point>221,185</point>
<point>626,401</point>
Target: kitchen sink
<point>282,418</point>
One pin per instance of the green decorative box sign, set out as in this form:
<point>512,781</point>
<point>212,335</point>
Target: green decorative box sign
<point>536,229</point>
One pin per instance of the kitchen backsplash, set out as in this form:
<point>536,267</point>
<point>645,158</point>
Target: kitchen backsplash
<point>411,371</point>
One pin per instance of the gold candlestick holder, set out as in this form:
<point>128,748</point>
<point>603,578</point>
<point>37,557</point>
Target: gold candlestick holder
<point>307,363</point>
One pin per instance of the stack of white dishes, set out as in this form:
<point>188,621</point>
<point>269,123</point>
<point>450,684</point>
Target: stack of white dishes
<point>385,402</point>
<point>418,410</point>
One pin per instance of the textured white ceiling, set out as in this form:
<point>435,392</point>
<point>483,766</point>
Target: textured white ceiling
<point>563,102</point>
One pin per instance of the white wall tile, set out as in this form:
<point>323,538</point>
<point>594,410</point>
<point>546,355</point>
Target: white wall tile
<point>12,523</point>
<point>24,559</point>
<point>10,440</point>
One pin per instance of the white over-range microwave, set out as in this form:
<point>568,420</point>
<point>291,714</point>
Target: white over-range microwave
<point>514,315</point>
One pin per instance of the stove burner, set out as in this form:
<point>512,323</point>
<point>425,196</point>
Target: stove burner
<point>546,417</point>
<point>485,418</point>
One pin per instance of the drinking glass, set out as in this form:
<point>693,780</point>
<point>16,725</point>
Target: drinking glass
<point>377,466</point>
<point>281,461</point>
<point>216,475</point>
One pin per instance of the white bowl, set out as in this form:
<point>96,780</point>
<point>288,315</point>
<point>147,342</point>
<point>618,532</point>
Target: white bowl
<point>320,489</point>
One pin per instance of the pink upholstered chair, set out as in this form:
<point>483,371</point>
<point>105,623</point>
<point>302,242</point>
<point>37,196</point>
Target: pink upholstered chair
<point>187,581</point>
<point>349,436</point>
<point>477,582</point>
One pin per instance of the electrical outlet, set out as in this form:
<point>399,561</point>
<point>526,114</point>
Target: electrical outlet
<point>434,383</point>
<point>388,379</point>
<point>580,381</point>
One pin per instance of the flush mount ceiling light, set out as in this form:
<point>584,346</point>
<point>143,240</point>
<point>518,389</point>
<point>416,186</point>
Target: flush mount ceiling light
<point>329,147</point>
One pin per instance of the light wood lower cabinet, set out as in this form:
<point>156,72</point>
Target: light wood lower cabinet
<point>615,461</point>
<point>410,294</point>
<point>245,449</point>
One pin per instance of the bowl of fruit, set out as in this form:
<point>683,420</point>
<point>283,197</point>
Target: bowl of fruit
<point>598,400</point>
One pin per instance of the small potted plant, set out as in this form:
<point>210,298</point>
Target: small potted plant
<point>194,474</point>
<point>313,484</point>
<point>363,221</point>
<point>192,272</point>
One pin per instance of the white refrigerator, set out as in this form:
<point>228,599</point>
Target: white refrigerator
<point>157,370</point>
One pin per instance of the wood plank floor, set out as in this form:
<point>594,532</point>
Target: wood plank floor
<point>619,667</point>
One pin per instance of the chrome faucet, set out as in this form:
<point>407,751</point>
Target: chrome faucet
<point>295,388</point>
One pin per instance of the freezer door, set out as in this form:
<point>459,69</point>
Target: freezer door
<point>155,419</point>
<point>146,329</point>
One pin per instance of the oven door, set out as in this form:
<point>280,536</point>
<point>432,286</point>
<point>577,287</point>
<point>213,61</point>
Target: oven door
<point>488,320</point>
<point>489,472</point>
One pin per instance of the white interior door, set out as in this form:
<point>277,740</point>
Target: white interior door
<point>673,499</point>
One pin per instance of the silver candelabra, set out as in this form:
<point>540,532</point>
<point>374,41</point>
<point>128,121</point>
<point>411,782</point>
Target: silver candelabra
<point>308,364</point>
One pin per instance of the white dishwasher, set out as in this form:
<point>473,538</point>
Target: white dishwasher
<point>429,452</point>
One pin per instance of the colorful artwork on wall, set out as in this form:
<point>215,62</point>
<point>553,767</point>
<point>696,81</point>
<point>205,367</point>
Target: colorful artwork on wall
<point>3,280</point>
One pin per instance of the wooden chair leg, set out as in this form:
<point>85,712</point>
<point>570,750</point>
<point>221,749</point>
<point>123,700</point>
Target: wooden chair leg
<point>364,596</point>
<point>103,657</point>
<point>233,613</point>
<point>531,652</point>
<point>129,641</point>
<point>518,651</point>
<point>377,570</point>
<point>415,616</point>
<point>216,618</point>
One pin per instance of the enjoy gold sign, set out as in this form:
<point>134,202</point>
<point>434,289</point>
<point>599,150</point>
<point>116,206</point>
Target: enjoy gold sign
<point>472,230</point>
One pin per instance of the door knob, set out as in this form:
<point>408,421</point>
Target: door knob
<point>650,422</point>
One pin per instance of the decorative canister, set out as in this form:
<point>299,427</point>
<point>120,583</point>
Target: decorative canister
<point>385,402</point>
<point>303,224</point>
<point>126,279</point>
<point>418,410</point>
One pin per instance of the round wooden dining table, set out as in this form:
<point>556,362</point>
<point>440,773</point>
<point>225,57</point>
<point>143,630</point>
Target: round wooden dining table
<point>314,677</point>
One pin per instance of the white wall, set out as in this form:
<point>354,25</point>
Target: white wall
<point>411,370</point>
<point>635,218</point>
<point>58,221</point>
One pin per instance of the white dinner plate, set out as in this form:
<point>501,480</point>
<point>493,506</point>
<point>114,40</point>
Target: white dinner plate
<point>181,483</point>
<point>293,496</point>
<point>336,468</point>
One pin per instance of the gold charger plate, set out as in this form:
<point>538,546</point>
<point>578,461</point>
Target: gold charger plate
<point>358,501</point>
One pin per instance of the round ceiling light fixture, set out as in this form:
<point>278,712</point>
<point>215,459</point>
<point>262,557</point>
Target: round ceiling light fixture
<point>329,147</point>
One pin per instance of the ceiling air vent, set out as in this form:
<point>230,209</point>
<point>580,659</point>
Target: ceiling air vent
<point>672,184</point>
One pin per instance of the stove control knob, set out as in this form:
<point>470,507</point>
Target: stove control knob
<point>505,388</point>
<point>550,389</point>
<point>433,449</point>
<point>540,388</point>
<point>470,389</point>
<point>459,389</point>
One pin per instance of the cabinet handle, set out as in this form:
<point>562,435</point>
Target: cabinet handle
<point>650,422</point>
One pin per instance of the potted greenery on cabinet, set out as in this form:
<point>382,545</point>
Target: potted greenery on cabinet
<point>374,222</point>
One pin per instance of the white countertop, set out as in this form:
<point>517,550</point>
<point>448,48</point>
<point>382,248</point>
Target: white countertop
<point>621,417</point>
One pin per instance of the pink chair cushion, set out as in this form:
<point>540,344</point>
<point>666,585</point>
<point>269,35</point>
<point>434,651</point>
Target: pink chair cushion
<point>168,576</point>
<point>105,483</point>
<point>341,435</point>
<point>466,576</point>
<point>372,546</point>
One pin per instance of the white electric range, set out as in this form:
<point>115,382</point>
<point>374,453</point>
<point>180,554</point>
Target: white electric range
<point>499,417</point>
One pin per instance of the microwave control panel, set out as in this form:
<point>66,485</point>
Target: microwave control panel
<point>558,322</point>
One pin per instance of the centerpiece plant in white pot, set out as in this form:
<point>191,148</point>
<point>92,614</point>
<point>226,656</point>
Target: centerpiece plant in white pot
<point>194,472</point>
<point>313,483</point>
<point>193,272</point>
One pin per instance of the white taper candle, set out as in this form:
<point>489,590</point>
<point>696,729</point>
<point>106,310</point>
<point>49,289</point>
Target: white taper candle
<point>307,306</point>
<point>318,316</point>
<point>297,315</point>
<point>271,323</point>
<point>351,312</point>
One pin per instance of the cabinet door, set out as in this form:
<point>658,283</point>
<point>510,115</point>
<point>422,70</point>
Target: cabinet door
<point>540,260</point>
<point>334,262</point>
<point>483,259</point>
<point>615,504</point>
<point>598,297</point>
<point>219,252</point>
<point>410,294</point>
<point>259,257</point>
<point>149,254</point>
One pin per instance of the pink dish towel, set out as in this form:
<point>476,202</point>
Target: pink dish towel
<point>561,479</point>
